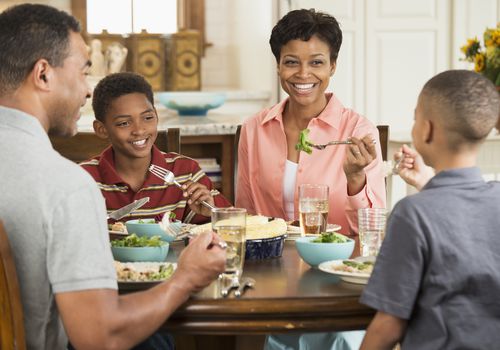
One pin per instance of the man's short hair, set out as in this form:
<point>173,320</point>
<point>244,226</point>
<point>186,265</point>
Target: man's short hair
<point>28,33</point>
<point>466,102</point>
<point>117,85</point>
<point>302,25</point>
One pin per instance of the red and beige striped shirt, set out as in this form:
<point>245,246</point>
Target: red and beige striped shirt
<point>162,197</point>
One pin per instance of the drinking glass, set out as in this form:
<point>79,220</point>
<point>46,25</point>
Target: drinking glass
<point>230,225</point>
<point>313,208</point>
<point>371,226</point>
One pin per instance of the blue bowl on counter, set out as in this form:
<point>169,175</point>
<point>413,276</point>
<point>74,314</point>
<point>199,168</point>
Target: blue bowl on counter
<point>266,248</point>
<point>191,103</point>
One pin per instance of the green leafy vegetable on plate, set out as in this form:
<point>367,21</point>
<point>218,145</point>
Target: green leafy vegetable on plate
<point>358,265</point>
<point>330,237</point>
<point>135,241</point>
<point>304,144</point>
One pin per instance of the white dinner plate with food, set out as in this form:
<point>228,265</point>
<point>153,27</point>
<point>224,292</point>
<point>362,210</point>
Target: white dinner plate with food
<point>136,275</point>
<point>356,270</point>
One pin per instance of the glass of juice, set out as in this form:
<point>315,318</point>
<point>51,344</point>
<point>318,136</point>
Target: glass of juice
<point>313,208</point>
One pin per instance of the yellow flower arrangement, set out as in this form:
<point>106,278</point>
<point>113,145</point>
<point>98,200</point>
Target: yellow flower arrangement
<point>486,59</point>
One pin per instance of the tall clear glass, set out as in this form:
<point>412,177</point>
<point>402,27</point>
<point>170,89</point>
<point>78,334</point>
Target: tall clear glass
<point>230,225</point>
<point>371,226</point>
<point>313,208</point>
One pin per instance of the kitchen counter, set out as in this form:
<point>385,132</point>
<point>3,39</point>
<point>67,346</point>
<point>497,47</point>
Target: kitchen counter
<point>239,106</point>
<point>212,124</point>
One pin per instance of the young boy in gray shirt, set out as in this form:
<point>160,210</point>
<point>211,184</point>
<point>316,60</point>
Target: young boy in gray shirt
<point>436,281</point>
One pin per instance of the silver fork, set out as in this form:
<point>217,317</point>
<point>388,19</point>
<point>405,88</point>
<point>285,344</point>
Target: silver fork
<point>169,177</point>
<point>331,143</point>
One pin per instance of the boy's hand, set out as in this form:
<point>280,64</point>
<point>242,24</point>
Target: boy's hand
<point>412,168</point>
<point>195,193</point>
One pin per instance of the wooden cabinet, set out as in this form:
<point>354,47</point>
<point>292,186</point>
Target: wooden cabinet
<point>220,147</point>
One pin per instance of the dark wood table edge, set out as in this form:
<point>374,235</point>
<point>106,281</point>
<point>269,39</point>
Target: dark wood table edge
<point>263,316</point>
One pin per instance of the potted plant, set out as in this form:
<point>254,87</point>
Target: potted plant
<point>486,56</point>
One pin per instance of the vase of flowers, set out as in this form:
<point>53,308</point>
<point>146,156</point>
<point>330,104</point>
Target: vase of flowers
<point>486,57</point>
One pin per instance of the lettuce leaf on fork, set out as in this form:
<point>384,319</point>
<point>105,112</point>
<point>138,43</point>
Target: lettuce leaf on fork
<point>304,144</point>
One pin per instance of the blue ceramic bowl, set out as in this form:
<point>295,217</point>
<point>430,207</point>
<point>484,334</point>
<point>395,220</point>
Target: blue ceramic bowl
<point>132,254</point>
<point>316,253</point>
<point>150,230</point>
<point>194,103</point>
<point>267,248</point>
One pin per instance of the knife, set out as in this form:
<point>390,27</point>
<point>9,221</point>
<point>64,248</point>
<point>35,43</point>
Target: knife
<point>123,211</point>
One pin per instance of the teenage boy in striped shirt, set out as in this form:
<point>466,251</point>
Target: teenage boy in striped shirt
<point>125,114</point>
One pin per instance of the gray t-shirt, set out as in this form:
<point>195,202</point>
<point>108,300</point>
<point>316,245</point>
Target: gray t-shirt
<point>54,216</point>
<point>439,265</point>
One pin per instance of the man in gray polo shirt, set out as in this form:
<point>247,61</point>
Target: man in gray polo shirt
<point>52,210</point>
<point>436,281</point>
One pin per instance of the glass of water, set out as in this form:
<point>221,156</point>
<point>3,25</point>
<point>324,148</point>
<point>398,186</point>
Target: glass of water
<point>371,226</point>
<point>313,208</point>
<point>230,225</point>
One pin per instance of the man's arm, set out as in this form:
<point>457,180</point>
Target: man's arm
<point>100,318</point>
<point>384,332</point>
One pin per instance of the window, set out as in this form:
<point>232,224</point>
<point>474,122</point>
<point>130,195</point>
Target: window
<point>132,16</point>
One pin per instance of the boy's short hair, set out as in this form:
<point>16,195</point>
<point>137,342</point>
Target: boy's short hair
<point>302,25</point>
<point>116,85</point>
<point>466,102</point>
<point>28,33</point>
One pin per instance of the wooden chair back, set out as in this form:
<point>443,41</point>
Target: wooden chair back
<point>85,145</point>
<point>383,133</point>
<point>12,334</point>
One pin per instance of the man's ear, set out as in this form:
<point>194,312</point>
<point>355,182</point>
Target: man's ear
<point>42,74</point>
<point>100,129</point>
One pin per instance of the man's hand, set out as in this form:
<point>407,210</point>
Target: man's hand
<point>412,168</point>
<point>200,262</point>
<point>195,193</point>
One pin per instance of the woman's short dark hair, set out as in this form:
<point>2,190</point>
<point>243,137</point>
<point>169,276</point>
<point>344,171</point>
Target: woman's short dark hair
<point>303,24</point>
<point>117,85</point>
<point>28,33</point>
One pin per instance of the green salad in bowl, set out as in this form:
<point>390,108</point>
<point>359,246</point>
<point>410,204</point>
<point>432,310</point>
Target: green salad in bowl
<point>134,248</point>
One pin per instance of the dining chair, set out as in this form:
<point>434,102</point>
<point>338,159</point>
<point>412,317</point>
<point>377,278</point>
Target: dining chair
<point>85,145</point>
<point>12,334</point>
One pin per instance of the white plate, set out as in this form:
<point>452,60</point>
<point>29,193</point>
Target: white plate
<point>352,277</point>
<point>145,266</point>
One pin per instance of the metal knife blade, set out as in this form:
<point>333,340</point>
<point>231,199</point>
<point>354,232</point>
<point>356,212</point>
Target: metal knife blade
<point>123,211</point>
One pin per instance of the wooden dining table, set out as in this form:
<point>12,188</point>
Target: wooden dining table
<point>289,296</point>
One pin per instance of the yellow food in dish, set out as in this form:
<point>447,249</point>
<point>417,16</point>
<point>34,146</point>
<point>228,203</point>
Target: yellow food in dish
<point>258,227</point>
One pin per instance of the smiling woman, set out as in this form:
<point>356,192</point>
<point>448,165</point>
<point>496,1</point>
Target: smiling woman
<point>306,44</point>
